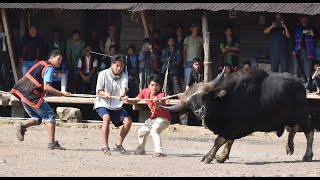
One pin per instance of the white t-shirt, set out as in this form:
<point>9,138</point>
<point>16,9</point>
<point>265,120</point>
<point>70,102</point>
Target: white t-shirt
<point>95,64</point>
<point>106,83</point>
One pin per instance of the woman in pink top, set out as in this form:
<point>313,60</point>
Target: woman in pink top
<point>159,120</point>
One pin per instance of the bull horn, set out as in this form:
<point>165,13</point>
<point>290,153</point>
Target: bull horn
<point>214,82</point>
<point>175,108</point>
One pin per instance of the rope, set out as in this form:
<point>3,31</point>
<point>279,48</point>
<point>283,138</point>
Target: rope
<point>117,97</point>
<point>100,54</point>
<point>4,92</point>
<point>114,97</point>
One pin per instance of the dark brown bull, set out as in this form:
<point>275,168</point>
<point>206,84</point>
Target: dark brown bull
<point>246,102</point>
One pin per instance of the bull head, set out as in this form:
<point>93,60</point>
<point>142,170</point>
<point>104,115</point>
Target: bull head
<point>197,91</point>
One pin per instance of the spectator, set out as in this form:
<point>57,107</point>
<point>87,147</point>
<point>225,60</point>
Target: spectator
<point>304,47</point>
<point>247,65</point>
<point>230,48</point>
<point>32,98</point>
<point>196,73</point>
<point>314,84</point>
<point>32,49</point>
<point>133,71</point>
<point>146,57</point>
<point>179,46</point>
<point>75,50</point>
<point>94,42</point>
<point>87,68</point>
<point>110,39</point>
<point>156,63</point>
<point>56,42</point>
<point>106,61</point>
<point>172,56</point>
<point>113,82</point>
<point>4,61</point>
<point>279,44</point>
<point>133,75</point>
<point>225,71</point>
<point>159,119</point>
<point>169,32</point>
<point>193,48</point>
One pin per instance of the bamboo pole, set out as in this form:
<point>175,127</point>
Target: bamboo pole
<point>145,25</point>
<point>206,48</point>
<point>10,49</point>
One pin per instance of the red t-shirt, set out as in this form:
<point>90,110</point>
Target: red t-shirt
<point>155,112</point>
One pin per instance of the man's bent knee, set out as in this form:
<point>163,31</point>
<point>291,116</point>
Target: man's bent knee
<point>127,121</point>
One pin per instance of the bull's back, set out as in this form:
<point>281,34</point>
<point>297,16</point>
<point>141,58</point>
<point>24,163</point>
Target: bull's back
<point>266,103</point>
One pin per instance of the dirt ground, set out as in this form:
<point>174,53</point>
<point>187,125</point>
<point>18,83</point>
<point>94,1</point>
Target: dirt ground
<point>260,154</point>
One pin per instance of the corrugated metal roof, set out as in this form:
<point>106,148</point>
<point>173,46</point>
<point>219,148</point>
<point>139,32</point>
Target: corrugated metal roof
<point>297,8</point>
<point>71,6</point>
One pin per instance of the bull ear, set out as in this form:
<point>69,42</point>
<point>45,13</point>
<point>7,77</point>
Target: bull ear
<point>217,93</point>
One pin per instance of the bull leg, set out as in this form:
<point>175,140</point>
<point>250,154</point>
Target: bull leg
<point>212,153</point>
<point>225,153</point>
<point>309,154</point>
<point>290,145</point>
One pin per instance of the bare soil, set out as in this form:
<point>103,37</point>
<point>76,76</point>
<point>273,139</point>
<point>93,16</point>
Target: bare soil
<point>260,154</point>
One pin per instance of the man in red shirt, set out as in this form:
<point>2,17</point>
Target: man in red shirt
<point>159,119</point>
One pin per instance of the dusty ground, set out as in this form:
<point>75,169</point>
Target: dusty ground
<point>260,154</point>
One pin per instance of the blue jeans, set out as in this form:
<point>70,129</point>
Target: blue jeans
<point>305,61</point>
<point>44,112</point>
<point>187,71</point>
<point>26,65</point>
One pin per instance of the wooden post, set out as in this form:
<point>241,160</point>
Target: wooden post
<point>10,49</point>
<point>145,25</point>
<point>206,48</point>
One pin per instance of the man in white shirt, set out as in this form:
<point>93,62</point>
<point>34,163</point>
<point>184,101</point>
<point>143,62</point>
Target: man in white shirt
<point>113,82</point>
<point>87,68</point>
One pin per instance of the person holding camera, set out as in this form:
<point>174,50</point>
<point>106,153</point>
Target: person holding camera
<point>146,57</point>
<point>171,58</point>
<point>304,47</point>
<point>279,44</point>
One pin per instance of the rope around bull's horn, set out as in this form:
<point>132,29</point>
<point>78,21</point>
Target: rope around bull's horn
<point>117,97</point>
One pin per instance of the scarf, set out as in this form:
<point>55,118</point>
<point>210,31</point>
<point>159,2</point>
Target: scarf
<point>113,76</point>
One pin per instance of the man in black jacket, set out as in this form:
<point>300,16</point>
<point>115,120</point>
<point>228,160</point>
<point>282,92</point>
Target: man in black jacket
<point>196,73</point>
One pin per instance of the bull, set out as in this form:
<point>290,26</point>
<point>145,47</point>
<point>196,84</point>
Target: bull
<point>248,101</point>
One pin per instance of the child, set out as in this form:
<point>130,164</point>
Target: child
<point>314,83</point>
<point>159,120</point>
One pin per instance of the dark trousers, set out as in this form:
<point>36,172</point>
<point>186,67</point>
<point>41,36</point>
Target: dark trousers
<point>173,84</point>
<point>279,58</point>
<point>313,84</point>
<point>88,86</point>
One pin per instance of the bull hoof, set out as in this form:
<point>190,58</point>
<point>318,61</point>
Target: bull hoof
<point>307,159</point>
<point>290,150</point>
<point>203,158</point>
<point>221,160</point>
<point>208,160</point>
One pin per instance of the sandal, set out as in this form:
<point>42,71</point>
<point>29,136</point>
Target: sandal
<point>119,148</point>
<point>159,155</point>
<point>106,151</point>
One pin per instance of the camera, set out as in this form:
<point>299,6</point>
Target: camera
<point>278,23</point>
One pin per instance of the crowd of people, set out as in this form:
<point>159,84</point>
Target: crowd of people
<point>172,58</point>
